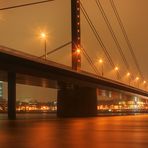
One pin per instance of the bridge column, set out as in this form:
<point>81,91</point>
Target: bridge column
<point>76,102</point>
<point>75,27</point>
<point>11,95</point>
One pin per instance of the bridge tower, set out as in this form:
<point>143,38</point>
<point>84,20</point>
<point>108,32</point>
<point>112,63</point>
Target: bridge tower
<point>74,99</point>
<point>76,34</point>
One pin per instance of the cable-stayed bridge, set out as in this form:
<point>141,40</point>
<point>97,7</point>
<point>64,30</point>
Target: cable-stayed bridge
<point>75,84</point>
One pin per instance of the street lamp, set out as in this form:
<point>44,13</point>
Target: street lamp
<point>101,62</point>
<point>137,78</point>
<point>116,68</point>
<point>128,75</point>
<point>144,83</point>
<point>43,36</point>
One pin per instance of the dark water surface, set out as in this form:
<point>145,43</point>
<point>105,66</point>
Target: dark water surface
<point>47,131</point>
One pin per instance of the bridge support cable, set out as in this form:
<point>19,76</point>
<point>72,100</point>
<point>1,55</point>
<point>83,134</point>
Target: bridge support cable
<point>90,61</point>
<point>25,5</point>
<point>99,5</point>
<point>126,37</point>
<point>98,39</point>
<point>56,49</point>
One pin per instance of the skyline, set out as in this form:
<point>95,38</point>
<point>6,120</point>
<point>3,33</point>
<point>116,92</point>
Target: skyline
<point>54,17</point>
<point>27,93</point>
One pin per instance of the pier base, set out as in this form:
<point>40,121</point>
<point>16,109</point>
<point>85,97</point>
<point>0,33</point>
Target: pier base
<point>11,95</point>
<point>77,102</point>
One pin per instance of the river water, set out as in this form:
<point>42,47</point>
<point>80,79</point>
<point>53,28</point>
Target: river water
<point>47,131</point>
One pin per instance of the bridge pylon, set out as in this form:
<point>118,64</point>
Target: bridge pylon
<point>76,34</point>
<point>74,100</point>
<point>11,95</point>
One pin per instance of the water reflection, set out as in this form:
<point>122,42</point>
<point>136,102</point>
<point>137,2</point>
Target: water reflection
<point>115,131</point>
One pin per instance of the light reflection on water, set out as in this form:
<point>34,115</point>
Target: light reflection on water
<point>33,130</point>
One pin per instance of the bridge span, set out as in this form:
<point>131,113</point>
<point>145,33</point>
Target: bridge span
<point>77,90</point>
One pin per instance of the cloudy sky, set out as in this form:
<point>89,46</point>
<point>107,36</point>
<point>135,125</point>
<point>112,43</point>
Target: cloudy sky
<point>20,28</point>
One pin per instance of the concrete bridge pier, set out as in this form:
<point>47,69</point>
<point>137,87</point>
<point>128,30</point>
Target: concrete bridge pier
<point>11,95</point>
<point>75,101</point>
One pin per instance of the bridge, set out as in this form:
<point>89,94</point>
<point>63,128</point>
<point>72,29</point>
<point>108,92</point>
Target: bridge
<point>77,89</point>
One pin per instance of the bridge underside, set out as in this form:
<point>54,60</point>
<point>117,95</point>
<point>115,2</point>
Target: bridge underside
<point>30,80</point>
<point>73,100</point>
<point>77,100</point>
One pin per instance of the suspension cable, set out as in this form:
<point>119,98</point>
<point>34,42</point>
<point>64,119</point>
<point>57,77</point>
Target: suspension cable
<point>89,59</point>
<point>126,37</point>
<point>98,38</point>
<point>56,49</point>
<point>24,5</point>
<point>112,33</point>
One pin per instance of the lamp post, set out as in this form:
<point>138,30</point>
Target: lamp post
<point>43,36</point>
<point>101,62</point>
<point>144,83</point>
<point>129,79</point>
<point>137,78</point>
<point>117,69</point>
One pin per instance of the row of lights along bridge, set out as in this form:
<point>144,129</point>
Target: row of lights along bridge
<point>43,36</point>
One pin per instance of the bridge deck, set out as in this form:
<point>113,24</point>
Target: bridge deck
<point>33,70</point>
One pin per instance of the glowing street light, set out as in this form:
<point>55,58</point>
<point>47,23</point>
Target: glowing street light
<point>137,79</point>
<point>144,83</point>
<point>43,36</point>
<point>116,68</point>
<point>128,75</point>
<point>101,62</point>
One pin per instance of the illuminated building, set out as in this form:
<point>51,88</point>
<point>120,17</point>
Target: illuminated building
<point>114,101</point>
